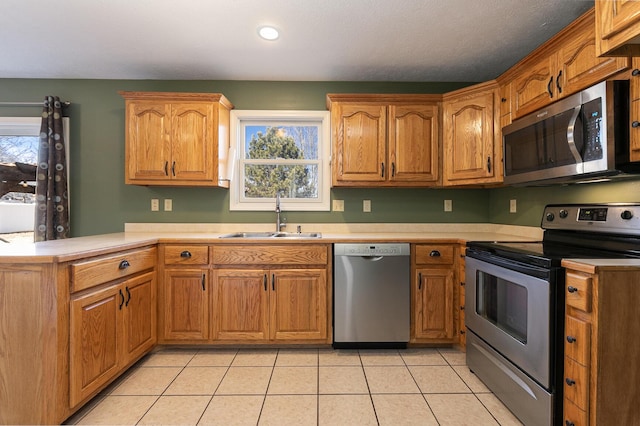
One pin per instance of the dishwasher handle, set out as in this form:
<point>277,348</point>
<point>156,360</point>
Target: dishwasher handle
<point>372,258</point>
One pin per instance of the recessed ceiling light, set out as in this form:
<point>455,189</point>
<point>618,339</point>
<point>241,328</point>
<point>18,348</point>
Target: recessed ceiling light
<point>268,33</point>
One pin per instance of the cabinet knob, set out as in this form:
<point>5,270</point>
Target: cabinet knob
<point>434,253</point>
<point>124,264</point>
<point>571,339</point>
<point>635,72</point>
<point>635,124</point>
<point>569,423</point>
<point>572,289</point>
<point>570,382</point>
<point>186,254</point>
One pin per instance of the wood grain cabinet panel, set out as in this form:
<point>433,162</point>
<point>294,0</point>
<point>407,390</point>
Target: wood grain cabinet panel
<point>471,136</point>
<point>176,139</point>
<point>185,304</point>
<point>617,27</point>
<point>384,140</point>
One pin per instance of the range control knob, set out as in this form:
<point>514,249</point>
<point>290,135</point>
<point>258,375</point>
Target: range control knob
<point>626,215</point>
<point>550,217</point>
<point>563,214</point>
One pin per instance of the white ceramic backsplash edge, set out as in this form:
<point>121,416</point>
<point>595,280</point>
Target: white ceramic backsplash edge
<point>338,228</point>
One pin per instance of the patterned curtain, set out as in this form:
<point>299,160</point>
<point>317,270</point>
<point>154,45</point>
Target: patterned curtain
<point>52,201</point>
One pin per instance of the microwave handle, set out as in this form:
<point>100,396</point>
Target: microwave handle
<point>571,134</point>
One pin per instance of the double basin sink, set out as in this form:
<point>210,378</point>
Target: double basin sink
<point>273,235</point>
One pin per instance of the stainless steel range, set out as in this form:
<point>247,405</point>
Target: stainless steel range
<point>515,302</point>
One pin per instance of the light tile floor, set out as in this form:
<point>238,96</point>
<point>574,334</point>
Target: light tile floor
<point>298,387</point>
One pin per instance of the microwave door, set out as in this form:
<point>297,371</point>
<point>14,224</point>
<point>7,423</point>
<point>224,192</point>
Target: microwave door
<point>563,148</point>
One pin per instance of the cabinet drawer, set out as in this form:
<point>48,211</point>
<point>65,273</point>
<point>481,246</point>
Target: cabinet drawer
<point>108,268</point>
<point>578,291</point>
<point>574,416</point>
<point>434,254</point>
<point>577,340</point>
<point>576,383</point>
<point>290,254</point>
<point>186,255</point>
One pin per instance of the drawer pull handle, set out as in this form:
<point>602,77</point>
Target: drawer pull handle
<point>124,264</point>
<point>434,253</point>
<point>569,423</point>
<point>273,282</point>
<point>419,280</point>
<point>185,254</point>
<point>635,72</point>
<point>571,339</point>
<point>462,283</point>
<point>572,289</point>
<point>121,299</point>
<point>128,297</point>
<point>203,288</point>
<point>635,124</point>
<point>265,282</point>
<point>570,382</point>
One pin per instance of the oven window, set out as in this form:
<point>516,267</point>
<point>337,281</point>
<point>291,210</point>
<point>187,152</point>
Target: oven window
<point>503,303</point>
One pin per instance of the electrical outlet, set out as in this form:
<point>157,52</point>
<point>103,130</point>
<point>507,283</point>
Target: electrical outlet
<point>168,205</point>
<point>448,205</point>
<point>155,205</point>
<point>512,206</point>
<point>338,205</point>
<point>366,206</point>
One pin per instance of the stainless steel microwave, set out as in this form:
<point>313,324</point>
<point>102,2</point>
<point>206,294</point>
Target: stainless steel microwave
<point>581,137</point>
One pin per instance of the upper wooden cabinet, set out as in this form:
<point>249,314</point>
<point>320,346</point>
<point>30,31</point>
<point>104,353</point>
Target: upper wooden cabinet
<point>384,140</point>
<point>617,27</point>
<point>176,139</point>
<point>471,136</point>
<point>564,65</point>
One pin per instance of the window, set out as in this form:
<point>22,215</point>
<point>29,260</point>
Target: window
<point>285,152</point>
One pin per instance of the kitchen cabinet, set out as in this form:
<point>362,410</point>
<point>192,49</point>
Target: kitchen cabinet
<point>471,136</point>
<point>460,280</point>
<point>176,139</point>
<point>602,354</point>
<point>564,65</point>
<point>264,294</point>
<point>634,119</point>
<point>384,140</point>
<point>110,329</point>
<point>185,293</point>
<point>617,28</point>
<point>433,293</point>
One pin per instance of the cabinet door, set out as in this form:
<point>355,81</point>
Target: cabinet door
<point>433,310</point>
<point>359,143</point>
<point>139,316</point>
<point>298,304</point>
<point>95,324</point>
<point>192,137</point>
<point>617,26</point>
<point>148,141</point>
<point>186,304</point>
<point>413,143</point>
<point>240,302</point>
<point>469,139</point>
<point>579,65</point>
<point>535,86</point>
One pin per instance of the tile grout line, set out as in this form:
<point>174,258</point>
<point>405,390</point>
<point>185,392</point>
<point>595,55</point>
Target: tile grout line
<point>217,387</point>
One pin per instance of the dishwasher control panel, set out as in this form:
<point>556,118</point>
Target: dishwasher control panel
<point>372,249</point>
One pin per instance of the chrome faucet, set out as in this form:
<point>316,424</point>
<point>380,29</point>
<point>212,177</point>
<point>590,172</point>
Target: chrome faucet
<point>280,225</point>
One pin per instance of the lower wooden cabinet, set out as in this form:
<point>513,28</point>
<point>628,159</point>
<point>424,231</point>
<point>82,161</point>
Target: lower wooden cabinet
<point>110,327</point>
<point>274,305</point>
<point>433,293</point>
<point>185,305</point>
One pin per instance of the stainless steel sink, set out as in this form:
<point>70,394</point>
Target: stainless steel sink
<point>272,235</point>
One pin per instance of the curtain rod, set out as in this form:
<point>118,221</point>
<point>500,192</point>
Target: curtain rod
<point>29,104</point>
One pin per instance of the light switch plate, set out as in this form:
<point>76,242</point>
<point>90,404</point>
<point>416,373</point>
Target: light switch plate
<point>513,206</point>
<point>448,205</point>
<point>168,205</point>
<point>366,206</point>
<point>338,205</point>
<point>155,205</point>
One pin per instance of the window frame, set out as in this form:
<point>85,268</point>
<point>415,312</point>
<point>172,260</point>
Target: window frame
<point>237,202</point>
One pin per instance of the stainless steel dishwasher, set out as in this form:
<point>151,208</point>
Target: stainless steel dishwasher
<point>371,304</point>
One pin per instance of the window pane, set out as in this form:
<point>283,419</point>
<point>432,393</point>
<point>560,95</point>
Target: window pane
<point>296,181</point>
<point>287,142</point>
<point>21,149</point>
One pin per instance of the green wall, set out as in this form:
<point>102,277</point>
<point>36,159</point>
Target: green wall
<point>102,203</point>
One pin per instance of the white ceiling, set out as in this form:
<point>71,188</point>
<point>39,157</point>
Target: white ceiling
<point>321,40</point>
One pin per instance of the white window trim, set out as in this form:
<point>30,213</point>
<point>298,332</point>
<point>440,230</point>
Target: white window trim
<point>322,203</point>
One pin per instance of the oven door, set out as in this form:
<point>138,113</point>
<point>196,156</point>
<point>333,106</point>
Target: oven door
<point>511,311</point>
